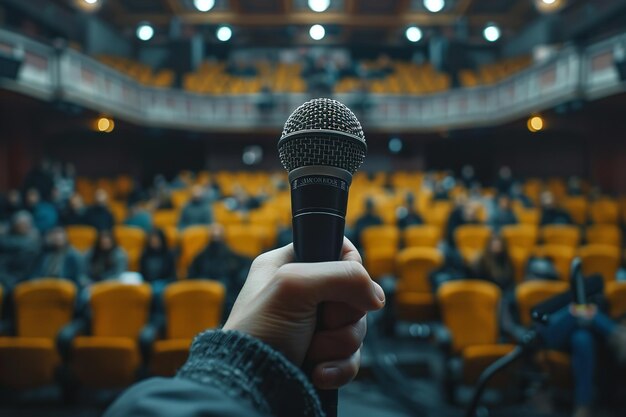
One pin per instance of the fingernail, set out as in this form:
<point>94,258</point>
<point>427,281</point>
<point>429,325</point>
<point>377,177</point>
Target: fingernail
<point>330,374</point>
<point>379,292</point>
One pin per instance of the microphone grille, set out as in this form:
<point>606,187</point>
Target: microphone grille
<point>322,132</point>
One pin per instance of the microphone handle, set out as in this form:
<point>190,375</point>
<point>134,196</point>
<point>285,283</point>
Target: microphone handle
<point>319,199</point>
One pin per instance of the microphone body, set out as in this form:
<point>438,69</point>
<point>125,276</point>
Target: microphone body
<point>321,146</point>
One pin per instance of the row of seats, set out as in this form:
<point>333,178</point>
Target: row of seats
<point>109,345</point>
<point>492,73</point>
<point>142,73</point>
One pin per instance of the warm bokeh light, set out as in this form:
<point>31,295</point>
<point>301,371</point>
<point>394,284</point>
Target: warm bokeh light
<point>535,124</point>
<point>105,124</point>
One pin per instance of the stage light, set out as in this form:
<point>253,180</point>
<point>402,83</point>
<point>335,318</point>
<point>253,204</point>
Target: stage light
<point>224,33</point>
<point>204,5</point>
<point>549,6</point>
<point>491,32</point>
<point>105,124</point>
<point>549,1</point>
<point>317,32</point>
<point>88,6</point>
<point>413,33</point>
<point>434,6</point>
<point>145,32</point>
<point>395,145</point>
<point>90,1</point>
<point>535,124</point>
<point>319,5</point>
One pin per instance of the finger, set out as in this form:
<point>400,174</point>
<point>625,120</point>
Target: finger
<point>342,281</point>
<point>349,252</point>
<point>330,345</point>
<point>336,315</point>
<point>274,259</point>
<point>331,375</point>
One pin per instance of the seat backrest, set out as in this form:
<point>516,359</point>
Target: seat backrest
<point>81,237</point>
<point>604,234</point>
<point>192,241</point>
<point>380,236</point>
<point>604,211</point>
<point>437,213</point>
<point>165,218</point>
<point>616,295</point>
<point>43,306</point>
<point>246,240</point>
<point>530,216</point>
<point>133,241</point>
<point>472,236</point>
<point>414,267</point>
<point>530,293</point>
<point>192,306</point>
<point>561,257</point>
<point>563,235</point>
<point>469,309</point>
<point>425,235</point>
<point>118,309</point>
<point>577,208</point>
<point>600,259</point>
<point>522,236</point>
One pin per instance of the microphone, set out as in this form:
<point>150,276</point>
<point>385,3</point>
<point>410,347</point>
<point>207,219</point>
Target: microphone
<point>321,146</point>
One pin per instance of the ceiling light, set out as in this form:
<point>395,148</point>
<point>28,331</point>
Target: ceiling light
<point>105,124</point>
<point>319,5</point>
<point>413,33</point>
<point>145,32</point>
<point>317,32</point>
<point>491,32</point>
<point>434,6</point>
<point>90,1</point>
<point>535,124</point>
<point>224,33</point>
<point>204,5</point>
<point>549,1</point>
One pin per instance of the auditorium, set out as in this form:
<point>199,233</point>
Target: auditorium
<point>285,208</point>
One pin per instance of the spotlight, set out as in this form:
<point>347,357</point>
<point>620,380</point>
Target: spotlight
<point>434,6</point>
<point>413,33</point>
<point>395,145</point>
<point>204,5</point>
<point>491,32</point>
<point>535,124</point>
<point>549,6</point>
<point>145,32</point>
<point>105,124</point>
<point>317,32</point>
<point>224,33</point>
<point>319,5</point>
<point>548,1</point>
<point>90,1</point>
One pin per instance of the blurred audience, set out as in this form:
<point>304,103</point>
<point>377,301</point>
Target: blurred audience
<point>45,215</point>
<point>98,215</point>
<point>503,214</point>
<point>106,260</point>
<point>197,211</point>
<point>494,264</point>
<point>59,260</point>
<point>551,213</point>
<point>368,219</point>
<point>406,215</point>
<point>10,205</point>
<point>75,212</point>
<point>140,217</point>
<point>18,248</point>
<point>157,261</point>
<point>465,212</point>
<point>505,180</point>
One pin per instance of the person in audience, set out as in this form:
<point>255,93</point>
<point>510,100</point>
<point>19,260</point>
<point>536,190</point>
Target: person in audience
<point>75,212</point>
<point>98,215</point>
<point>45,214</point>
<point>465,212</point>
<point>242,201</point>
<point>59,259</point>
<point>139,217</point>
<point>218,262</point>
<point>574,186</point>
<point>406,215</point>
<point>550,213</point>
<point>468,176</point>
<point>162,198</point>
<point>18,248</point>
<point>106,260</point>
<point>197,211</point>
<point>368,219</point>
<point>157,264</point>
<point>10,205</point>
<point>505,180</point>
<point>502,214</point>
<point>517,194</point>
<point>440,192</point>
<point>494,264</point>
<point>41,179</point>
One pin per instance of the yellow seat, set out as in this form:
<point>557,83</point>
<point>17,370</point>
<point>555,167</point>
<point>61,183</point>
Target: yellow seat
<point>415,299</point>
<point>577,207</point>
<point>133,240</point>
<point>422,236</point>
<point>246,240</point>
<point>519,259</point>
<point>600,259</point>
<point>530,293</point>
<point>81,237</point>
<point>119,211</point>
<point>437,213</point>
<point>180,198</point>
<point>42,308</point>
<point>190,307</point>
<point>380,261</point>
<point>380,236</point>
<point>109,357</point>
<point>530,216</point>
<point>604,234</point>
<point>192,241</point>
<point>171,236</point>
<point>561,257</point>
<point>471,240</point>
<point>164,218</point>
<point>562,235</point>
<point>522,236</point>
<point>616,295</point>
<point>604,211</point>
<point>469,310</point>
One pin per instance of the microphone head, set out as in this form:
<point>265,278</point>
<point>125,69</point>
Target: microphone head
<point>322,131</point>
